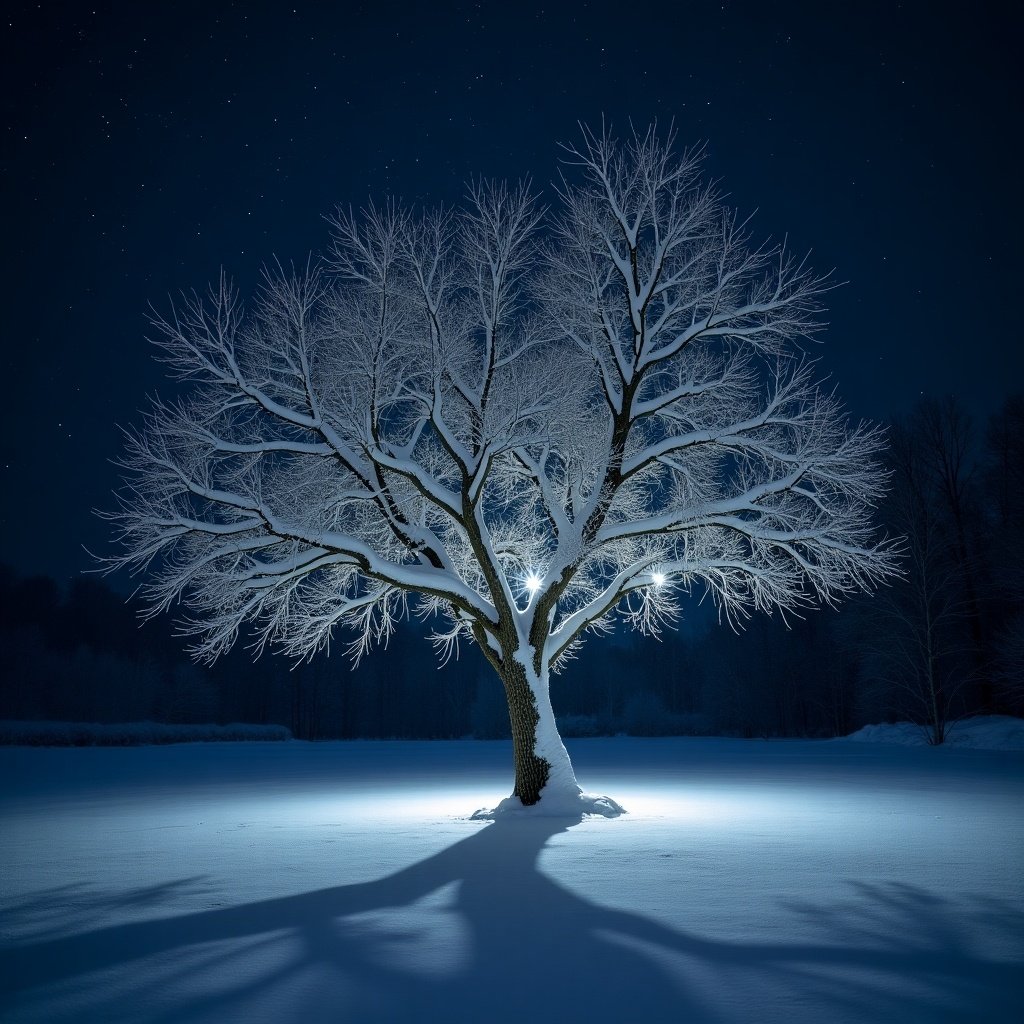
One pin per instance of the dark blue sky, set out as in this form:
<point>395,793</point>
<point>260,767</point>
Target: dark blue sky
<point>146,144</point>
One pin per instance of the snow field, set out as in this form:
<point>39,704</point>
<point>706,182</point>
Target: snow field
<point>789,881</point>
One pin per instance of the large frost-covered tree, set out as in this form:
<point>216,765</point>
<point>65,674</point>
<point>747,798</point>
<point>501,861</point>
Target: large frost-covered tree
<point>525,426</point>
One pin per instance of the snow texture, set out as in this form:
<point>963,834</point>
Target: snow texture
<point>782,881</point>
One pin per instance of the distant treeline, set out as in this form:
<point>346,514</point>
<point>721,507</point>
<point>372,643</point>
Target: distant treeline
<point>132,734</point>
<point>946,641</point>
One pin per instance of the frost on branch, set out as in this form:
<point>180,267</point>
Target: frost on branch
<point>532,424</point>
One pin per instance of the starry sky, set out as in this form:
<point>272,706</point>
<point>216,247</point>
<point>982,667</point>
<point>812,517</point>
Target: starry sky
<point>148,144</point>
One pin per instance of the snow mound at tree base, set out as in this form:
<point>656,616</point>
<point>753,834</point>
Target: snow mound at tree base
<point>552,805</point>
<point>985,732</point>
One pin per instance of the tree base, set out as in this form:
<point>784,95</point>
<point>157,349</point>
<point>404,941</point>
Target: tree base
<point>569,805</point>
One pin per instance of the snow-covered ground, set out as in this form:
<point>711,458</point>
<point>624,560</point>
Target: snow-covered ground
<point>985,732</point>
<point>289,882</point>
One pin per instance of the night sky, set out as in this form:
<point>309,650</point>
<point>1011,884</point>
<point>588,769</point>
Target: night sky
<point>147,144</point>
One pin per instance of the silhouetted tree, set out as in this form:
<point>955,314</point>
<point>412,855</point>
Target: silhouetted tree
<point>924,626</point>
<point>1004,482</point>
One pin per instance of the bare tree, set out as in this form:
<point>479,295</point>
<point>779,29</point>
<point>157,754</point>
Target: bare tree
<point>535,426</point>
<point>922,638</point>
<point>945,442</point>
<point>1004,481</point>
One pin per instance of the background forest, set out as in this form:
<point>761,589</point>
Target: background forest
<point>945,642</point>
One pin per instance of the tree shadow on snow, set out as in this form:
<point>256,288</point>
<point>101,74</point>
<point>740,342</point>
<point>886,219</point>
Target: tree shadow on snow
<point>483,934</point>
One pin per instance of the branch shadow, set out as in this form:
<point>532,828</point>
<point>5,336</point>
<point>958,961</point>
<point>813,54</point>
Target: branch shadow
<point>54,911</point>
<point>483,934</point>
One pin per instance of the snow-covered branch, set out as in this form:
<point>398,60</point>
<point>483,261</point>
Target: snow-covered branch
<point>532,423</point>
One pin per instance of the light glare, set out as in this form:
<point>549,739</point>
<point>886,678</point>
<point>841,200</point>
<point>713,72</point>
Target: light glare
<point>659,578</point>
<point>533,582</point>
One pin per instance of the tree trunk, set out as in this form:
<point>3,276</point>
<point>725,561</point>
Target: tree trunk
<point>542,765</point>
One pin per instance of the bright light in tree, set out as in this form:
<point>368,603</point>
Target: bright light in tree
<point>533,582</point>
<point>659,578</point>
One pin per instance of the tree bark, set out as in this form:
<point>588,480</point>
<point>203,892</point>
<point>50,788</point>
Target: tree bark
<point>540,758</point>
